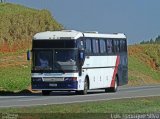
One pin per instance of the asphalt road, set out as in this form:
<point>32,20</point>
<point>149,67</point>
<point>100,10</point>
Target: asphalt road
<point>70,97</point>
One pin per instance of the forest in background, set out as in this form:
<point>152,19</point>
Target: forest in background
<point>152,41</point>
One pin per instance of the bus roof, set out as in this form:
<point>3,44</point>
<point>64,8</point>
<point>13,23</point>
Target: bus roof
<point>72,34</point>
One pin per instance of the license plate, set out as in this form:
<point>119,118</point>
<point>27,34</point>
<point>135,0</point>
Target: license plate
<point>53,79</point>
<point>53,85</point>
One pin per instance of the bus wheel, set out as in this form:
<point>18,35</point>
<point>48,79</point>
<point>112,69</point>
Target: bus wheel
<point>45,92</point>
<point>83,92</point>
<point>113,89</point>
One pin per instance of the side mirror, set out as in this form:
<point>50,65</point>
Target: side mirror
<point>28,55</point>
<point>81,56</point>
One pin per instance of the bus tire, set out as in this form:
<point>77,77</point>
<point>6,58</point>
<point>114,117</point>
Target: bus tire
<point>45,92</point>
<point>84,92</point>
<point>115,88</point>
<point>86,87</point>
<point>78,92</point>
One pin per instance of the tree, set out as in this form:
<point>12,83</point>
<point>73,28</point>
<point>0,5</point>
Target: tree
<point>142,42</point>
<point>151,41</point>
<point>157,39</point>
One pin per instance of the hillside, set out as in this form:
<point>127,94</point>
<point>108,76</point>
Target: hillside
<point>19,23</point>
<point>144,64</point>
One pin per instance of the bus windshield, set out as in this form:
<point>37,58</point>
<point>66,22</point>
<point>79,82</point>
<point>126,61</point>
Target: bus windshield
<point>42,60</point>
<point>57,60</point>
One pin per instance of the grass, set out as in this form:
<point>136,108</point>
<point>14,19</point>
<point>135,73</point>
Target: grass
<point>143,64</point>
<point>15,72</point>
<point>138,105</point>
<point>149,54</point>
<point>136,64</point>
<point>131,78</point>
<point>153,51</point>
<point>15,78</point>
<point>20,23</point>
<point>6,8</point>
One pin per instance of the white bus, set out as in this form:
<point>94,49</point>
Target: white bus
<point>70,60</point>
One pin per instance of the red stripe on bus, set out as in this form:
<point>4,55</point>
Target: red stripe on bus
<point>115,71</point>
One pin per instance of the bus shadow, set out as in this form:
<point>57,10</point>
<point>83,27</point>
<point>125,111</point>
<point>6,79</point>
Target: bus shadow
<point>53,93</point>
<point>20,93</point>
<point>72,93</point>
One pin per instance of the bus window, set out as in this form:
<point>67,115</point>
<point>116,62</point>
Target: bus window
<point>95,46</point>
<point>125,45</point>
<point>121,46</point>
<point>102,46</point>
<point>109,46</point>
<point>88,46</point>
<point>116,46</point>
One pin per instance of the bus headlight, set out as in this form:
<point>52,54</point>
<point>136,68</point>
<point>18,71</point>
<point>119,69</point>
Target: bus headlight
<point>36,79</point>
<point>70,79</point>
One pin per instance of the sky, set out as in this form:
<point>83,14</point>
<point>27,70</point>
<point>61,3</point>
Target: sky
<point>138,19</point>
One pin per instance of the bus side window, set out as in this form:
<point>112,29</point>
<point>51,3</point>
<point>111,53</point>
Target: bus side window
<point>88,46</point>
<point>109,46</point>
<point>125,45</point>
<point>102,46</point>
<point>121,46</point>
<point>116,46</point>
<point>95,46</point>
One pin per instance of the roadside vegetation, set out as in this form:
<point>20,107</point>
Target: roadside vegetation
<point>144,64</point>
<point>90,109</point>
<point>14,72</point>
<point>19,23</point>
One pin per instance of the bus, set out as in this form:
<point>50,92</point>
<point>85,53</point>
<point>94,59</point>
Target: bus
<point>70,60</point>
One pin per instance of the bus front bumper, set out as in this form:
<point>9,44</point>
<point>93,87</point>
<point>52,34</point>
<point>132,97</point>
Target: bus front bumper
<point>59,85</point>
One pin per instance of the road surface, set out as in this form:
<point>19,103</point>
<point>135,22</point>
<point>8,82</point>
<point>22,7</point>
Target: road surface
<point>70,97</point>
